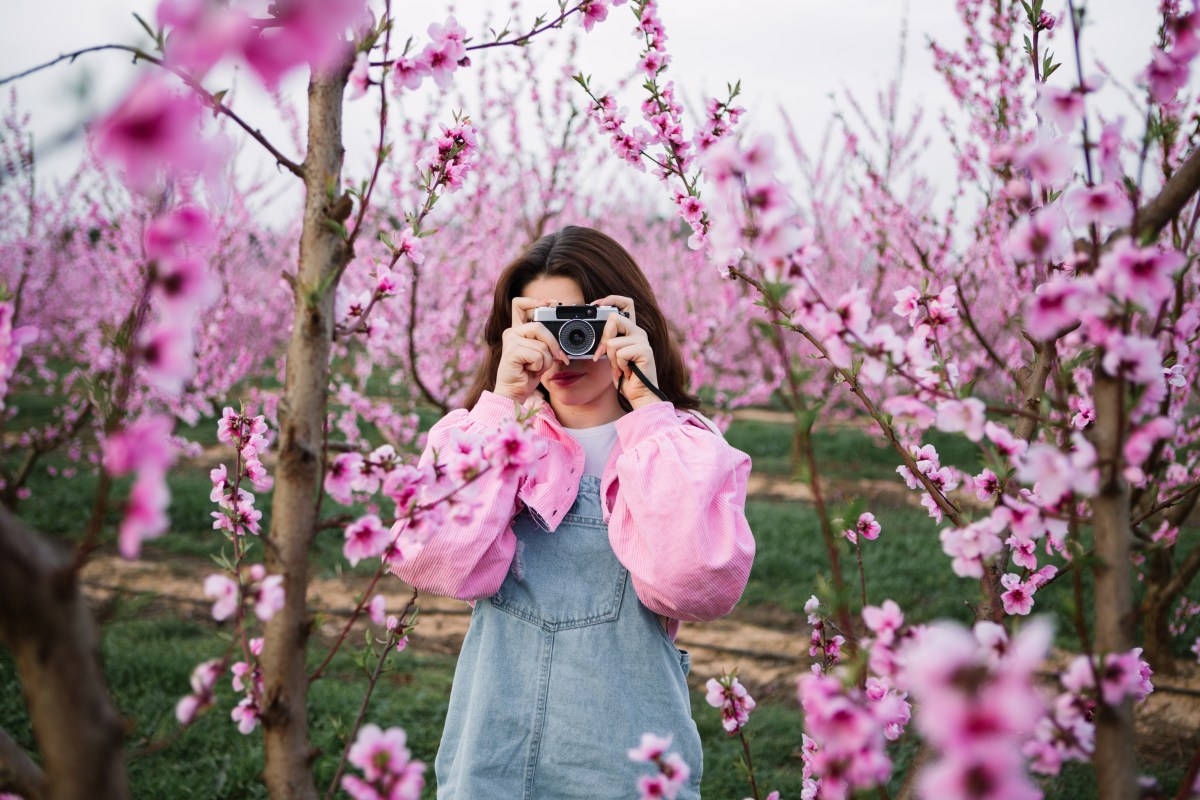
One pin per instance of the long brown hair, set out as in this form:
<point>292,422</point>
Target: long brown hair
<point>601,267</point>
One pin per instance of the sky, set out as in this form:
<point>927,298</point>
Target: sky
<point>797,55</point>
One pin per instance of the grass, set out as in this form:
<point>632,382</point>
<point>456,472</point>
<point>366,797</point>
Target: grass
<point>149,651</point>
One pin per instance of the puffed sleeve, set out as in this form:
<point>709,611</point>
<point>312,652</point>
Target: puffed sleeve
<point>465,560</point>
<point>677,514</point>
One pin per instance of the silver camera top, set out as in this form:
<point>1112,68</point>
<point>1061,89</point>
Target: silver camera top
<point>584,312</point>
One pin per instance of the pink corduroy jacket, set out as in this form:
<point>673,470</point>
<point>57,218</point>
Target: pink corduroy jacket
<point>673,497</point>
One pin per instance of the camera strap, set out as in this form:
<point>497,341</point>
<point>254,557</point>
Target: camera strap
<point>644,380</point>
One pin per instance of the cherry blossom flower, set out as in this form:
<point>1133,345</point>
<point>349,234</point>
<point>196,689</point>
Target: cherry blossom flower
<point>673,770</point>
<point>365,538</point>
<point>201,33</point>
<point>377,609</point>
<point>204,677</point>
<point>1139,275</point>
<point>340,477</point>
<point>1136,357</point>
<point>728,694</point>
<point>245,714</point>
<point>359,79</point>
<point>1048,160</point>
<point>1063,107</point>
<point>1041,236</point>
<point>867,527</point>
<point>225,590</point>
<point>1104,204</point>
<point>962,415</point>
<point>408,72</point>
<point>185,226</point>
<point>1018,599</point>
<point>1054,307</point>
<point>154,127</point>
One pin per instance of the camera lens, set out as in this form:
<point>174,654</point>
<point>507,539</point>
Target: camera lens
<point>577,337</point>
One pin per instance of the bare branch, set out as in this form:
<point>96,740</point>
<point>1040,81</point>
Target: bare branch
<point>46,624</point>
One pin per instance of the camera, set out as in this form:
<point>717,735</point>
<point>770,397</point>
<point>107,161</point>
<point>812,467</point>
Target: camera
<point>577,328</point>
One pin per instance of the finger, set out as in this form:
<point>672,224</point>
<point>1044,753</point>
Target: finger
<point>612,327</point>
<point>535,357</point>
<point>522,306</point>
<point>620,301</point>
<point>621,349</point>
<point>536,331</point>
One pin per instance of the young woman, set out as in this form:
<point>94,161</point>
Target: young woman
<point>633,521</point>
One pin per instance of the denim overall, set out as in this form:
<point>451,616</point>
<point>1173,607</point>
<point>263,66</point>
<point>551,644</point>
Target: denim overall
<point>561,672</point>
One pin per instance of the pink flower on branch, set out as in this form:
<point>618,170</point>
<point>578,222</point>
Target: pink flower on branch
<point>153,128</point>
<point>365,538</point>
<point>728,694</point>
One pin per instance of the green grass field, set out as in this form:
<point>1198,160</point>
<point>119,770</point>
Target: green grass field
<point>150,647</point>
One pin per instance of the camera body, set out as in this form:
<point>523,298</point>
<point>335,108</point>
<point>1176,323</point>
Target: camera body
<point>577,328</point>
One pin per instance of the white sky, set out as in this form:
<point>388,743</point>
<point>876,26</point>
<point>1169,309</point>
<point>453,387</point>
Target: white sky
<point>789,53</point>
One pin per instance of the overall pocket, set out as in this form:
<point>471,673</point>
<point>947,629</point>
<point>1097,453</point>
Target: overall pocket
<point>567,578</point>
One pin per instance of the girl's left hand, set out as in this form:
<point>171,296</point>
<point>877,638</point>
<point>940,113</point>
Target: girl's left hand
<point>624,342</point>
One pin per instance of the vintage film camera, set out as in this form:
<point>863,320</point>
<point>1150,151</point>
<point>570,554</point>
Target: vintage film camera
<point>577,328</point>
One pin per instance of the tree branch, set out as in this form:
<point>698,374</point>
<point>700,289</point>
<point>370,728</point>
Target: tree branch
<point>18,773</point>
<point>46,624</point>
<point>208,97</point>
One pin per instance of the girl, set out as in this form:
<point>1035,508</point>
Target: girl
<point>633,520</point>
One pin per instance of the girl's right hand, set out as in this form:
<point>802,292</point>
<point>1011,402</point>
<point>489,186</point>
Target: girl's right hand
<point>528,349</point>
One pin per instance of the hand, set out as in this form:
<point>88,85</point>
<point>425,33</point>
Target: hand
<point>625,343</point>
<point>528,349</point>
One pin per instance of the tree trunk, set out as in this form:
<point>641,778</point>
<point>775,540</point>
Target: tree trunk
<point>302,410</point>
<point>1164,585</point>
<point>48,627</point>
<point>1116,772</point>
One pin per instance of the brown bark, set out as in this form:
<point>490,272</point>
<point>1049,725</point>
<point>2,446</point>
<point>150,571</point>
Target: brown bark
<point>46,624</point>
<point>18,774</point>
<point>1116,771</point>
<point>302,410</point>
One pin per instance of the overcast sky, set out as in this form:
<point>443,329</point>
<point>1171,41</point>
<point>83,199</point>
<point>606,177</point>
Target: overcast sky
<point>789,53</point>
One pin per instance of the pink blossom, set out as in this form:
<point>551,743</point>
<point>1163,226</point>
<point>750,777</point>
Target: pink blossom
<point>728,694</point>
<point>1018,599</point>
<point>169,233</point>
<point>379,753</point>
<point>1048,161</point>
<point>143,445</point>
<point>1063,107</point>
<point>1141,441</point>
<point>1104,204</point>
<point>204,678</point>
<point>1136,357</point>
<point>651,748</point>
<point>1141,275</point>
<point>962,415</point>
<point>365,538</point>
<point>1055,306</point>
<point>377,609</point>
<point>225,590</point>
<point>1109,150</point>
<point>145,512</point>
<point>1165,75</point>
<point>442,63</point>
<point>866,527</point>
<point>1008,445</point>
<point>360,77</point>
<point>202,32</point>
<point>168,351</point>
<point>451,35</point>
<point>185,285</point>
<point>268,593</point>
<point>340,477</point>
<point>245,714</point>
<point>408,72</point>
<point>884,621</point>
<point>909,411</point>
<point>1041,236</point>
<point>153,127</point>
<point>594,11</point>
<point>970,546</point>
<point>986,484</point>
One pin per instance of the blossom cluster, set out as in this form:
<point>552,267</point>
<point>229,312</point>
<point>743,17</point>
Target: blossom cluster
<point>143,447</point>
<point>248,436</point>
<point>822,645</point>
<point>978,702</point>
<point>673,771</point>
<point>12,343</point>
<point>389,772</point>
<point>424,495</point>
<point>1067,730</point>
<point>735,703</point>
<point>844,747</point>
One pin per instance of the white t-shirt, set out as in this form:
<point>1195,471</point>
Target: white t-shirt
<point>597,444</point>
